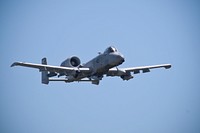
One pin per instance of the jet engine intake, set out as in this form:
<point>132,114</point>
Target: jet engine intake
<point>71,62</point>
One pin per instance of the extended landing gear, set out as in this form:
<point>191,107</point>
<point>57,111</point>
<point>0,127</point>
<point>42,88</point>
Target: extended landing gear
<point>95,79</point>
<point>96,82</point>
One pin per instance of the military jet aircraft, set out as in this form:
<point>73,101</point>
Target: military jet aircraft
<point>93,71</point>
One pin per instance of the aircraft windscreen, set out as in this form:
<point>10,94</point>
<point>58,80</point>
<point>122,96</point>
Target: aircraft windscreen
<point>110,50</point>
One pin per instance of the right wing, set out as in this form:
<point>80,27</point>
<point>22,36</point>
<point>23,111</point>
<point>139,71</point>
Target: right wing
<point>125,73</point>
<point>144,69</point>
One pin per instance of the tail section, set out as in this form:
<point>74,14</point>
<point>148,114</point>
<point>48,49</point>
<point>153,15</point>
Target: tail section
<point>44,73</point>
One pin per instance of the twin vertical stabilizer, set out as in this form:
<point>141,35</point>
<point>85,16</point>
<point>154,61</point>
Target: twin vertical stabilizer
<point>44,73</point>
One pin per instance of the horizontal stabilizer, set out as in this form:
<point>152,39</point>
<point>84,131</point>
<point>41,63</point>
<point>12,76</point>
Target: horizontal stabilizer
<point>66,80</point>
<point>82,80</point>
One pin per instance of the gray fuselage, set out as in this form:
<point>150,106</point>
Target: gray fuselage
<point>100,65</point>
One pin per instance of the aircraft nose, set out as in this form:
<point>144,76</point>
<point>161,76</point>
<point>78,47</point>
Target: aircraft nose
<point>117,59</point>
<point>121,58</point>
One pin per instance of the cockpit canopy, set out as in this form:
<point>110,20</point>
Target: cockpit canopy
<point>110,50</point>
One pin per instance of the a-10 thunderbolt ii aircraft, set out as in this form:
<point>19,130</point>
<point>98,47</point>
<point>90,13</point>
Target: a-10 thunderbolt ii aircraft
<point>93,71</point>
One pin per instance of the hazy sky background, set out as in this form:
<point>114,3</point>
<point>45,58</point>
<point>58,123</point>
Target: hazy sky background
<point>146,32</point>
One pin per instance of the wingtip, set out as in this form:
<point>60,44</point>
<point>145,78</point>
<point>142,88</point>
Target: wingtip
<point>14,64</point>
<point>168,66</point>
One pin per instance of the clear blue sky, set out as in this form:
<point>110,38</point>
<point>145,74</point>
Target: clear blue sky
<point>146,32</point>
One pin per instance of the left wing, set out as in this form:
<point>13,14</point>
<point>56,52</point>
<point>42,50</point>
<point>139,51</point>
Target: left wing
<point>126,71</point>
<point>50,68</point>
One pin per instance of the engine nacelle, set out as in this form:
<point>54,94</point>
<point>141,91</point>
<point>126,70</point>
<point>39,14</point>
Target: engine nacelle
<point>71,62</point>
